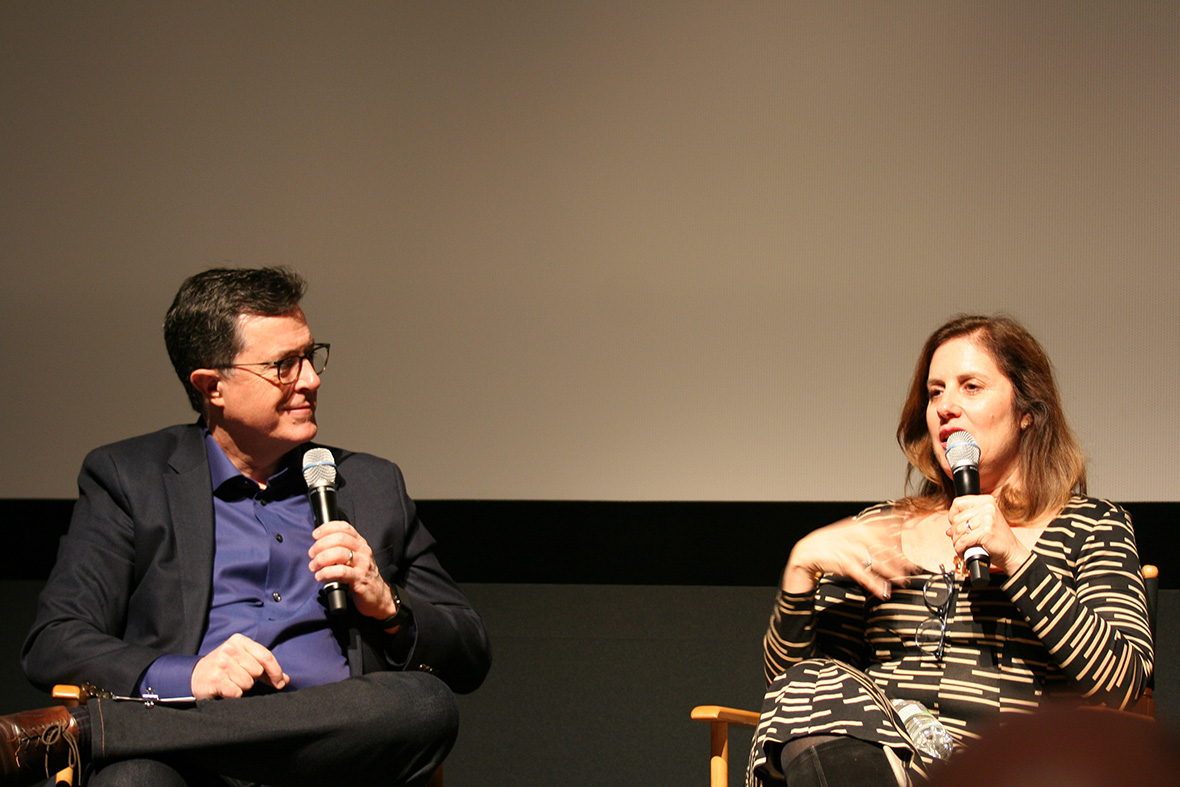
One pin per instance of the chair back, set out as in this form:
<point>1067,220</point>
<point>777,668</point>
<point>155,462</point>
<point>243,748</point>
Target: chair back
<point>1151,581</point>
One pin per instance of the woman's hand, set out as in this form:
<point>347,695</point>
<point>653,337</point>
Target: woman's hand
<point>976,520</point>
<point>868,551</point>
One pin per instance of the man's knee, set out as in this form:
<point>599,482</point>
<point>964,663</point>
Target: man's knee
<point>419,702</point>
<point>401,724</point>
<point>396,709</point>
<point>437,717</point>
<point>438,702</point>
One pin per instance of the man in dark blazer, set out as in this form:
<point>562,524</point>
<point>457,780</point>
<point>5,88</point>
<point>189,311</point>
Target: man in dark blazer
<point>189,582</point>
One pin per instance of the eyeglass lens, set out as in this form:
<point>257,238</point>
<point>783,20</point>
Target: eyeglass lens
<point>289,368</point>
<point>931,634</point>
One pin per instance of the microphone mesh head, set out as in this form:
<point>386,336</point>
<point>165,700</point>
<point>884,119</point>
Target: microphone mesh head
<point>961,450</point>
<point>319,468</point>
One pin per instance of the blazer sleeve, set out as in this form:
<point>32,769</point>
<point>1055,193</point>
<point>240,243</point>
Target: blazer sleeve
<point>451,640</point>
<point>79,630</point>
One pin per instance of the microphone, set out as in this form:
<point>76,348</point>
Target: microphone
<point>319,471</point>
<point>963,454</point>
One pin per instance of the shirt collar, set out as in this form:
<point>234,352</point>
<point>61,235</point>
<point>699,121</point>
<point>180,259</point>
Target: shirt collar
<point>230,484</point>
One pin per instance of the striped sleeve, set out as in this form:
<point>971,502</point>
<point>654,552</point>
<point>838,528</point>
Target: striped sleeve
<point>791,635</point>
<point>1087,604</point>
<point>829,622</point>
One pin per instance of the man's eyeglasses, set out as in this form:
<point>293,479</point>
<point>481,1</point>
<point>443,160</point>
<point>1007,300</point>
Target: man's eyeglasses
<point>288,369</point>
<point>939,593</point>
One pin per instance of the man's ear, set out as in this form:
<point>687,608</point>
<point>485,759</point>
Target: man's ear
<point>208,383</point>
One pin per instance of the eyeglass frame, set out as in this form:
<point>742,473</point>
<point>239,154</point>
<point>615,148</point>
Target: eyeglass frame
<point>940,614</point>
<point>277,365</point>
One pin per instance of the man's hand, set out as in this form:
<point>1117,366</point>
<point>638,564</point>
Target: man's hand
<point>233,668</point>
<point>341,554</point>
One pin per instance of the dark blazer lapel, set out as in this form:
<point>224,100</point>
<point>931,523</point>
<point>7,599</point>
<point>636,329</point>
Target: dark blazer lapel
<point>348,635</point>
<point>363,656</point>
<point>190,503</point>
<point>352,508</point>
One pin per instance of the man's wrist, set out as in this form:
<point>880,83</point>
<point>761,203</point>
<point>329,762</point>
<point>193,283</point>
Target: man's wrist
<point>403,612</point>
<point>170,675</point>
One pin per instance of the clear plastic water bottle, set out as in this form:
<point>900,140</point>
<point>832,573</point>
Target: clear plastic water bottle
<point>929,735</point>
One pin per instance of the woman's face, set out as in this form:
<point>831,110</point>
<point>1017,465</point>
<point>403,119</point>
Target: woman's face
<point>966,390</point>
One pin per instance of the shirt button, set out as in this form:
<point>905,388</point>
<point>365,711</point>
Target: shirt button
<point>277,596</point>
<point>279,537</point>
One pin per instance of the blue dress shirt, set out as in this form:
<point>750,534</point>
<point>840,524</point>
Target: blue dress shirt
<point>262,587</point>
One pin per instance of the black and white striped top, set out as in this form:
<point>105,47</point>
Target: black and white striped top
<point>1072,619</point>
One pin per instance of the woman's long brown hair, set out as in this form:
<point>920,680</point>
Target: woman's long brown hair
<point>1052,466</point>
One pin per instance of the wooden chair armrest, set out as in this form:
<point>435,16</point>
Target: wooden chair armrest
<point>68,695</point>
<point>719,718</point>
<point>742,718</point>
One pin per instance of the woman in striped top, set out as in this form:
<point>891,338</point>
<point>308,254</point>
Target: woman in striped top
<point>878,608</point>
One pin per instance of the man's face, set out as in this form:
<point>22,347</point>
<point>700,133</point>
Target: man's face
<point>261,417</point>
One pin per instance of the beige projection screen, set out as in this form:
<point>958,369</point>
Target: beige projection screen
<point>586,250</point>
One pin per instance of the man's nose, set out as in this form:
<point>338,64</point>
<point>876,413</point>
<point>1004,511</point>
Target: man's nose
<point>308,379</point>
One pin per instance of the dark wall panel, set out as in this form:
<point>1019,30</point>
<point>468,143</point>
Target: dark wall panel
<point>596,542</point>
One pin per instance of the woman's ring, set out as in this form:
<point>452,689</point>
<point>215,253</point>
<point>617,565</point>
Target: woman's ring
<point>868,561</point>
<point>351,554</point>
<point>968,525</point>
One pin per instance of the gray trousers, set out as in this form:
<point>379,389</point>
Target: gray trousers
<point>386,728</point>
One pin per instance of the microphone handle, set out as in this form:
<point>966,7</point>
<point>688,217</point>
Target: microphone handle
<point>966,480</point>
<point>978,566</point>
<point>977,559</point>
<point>323,505</point>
